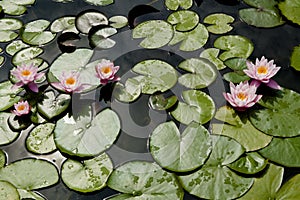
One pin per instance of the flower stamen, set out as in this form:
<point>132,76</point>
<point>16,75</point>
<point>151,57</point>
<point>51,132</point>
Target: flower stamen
<point>242,96</point>
<point>21,107</point>
<point>106,70</point>
<point>25,72</point>
<point>70,81</point>
<point>262,70</point>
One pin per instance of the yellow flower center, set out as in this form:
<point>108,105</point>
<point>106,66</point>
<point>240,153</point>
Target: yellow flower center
<point>70,81</point>
<point>105,70</point>
<point>262,70</point>
<point>242,96</point>
<point>25,72</point>
<point>21,107</point>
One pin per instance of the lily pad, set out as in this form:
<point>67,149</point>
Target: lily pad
<point>234,46</point>
<point>180,152</point>
<point>28,56</point>
<point>100,38</point>
<point>40,139</point>
<point>219,23</point>
<point>64,24</point>
<point>7,36</point>
<point>34,173</point>
<point>8,96</point>
<point>236,64</point>
<point>10,24</point>
<point>261,3</point>
<point>156,33</point>
<point>290,189</point>
<point>239,128</point>
<point>6,134</point>
<point>212,54</point>
<point>128,93</point>
<point>87,19</point>
<point>291,10</point>
<point>2,158</point>
<point>250,163</point>
<point>87,136</point>
<point>191,40</point>
<point>236,77</point>
<point>35,33</point>
<point>215,180</point>
<point>76,61</point>
<point>284,151</point>
<point>99,2</point>
<point>145,180</point>
<point>52,105</point>
<point>184,20</point>
<point>15,46</point>
<point>175,4</point>
<point>118,21</point>
<point>158,102</point>
<point>199,107</point>
<point>266,186</point>
<point>156,76</point>
<point>203,73</point>
<point>295,58</point>
<point>25,194</point>
<point>92,173</point>
<point>8,191</point>
<point>18,123</point>
<point>278,116</point>
<point>15,7</point>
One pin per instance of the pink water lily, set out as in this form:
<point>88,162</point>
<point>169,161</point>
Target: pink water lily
<point>262,72</point>
<point>106,71</point>
<point>242,96</point>
<point>21,108</point>
<point>27,74</point>
<point>69,82</point>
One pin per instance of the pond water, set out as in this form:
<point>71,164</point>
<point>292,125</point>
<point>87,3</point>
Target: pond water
<point>137,119</point>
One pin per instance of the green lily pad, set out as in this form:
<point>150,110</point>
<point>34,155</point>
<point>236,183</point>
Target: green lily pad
<point>145,180</point>
<point>10,24</point>
<point>158,102</point>
<point>250,163</point>
<point>100,38</point>
<point>8,191</point>
<point>215,180</point>
<point>64,24</point>
<point>239,128</point>
<point>128,93</point>
<point>92,173</point>
<point>40,139</point>
<point>52,105</point>
<point>234,46</point>
<point>199,107</point>
<point>15,46</point>
<point>76,61</point>
<point>236,77</point>
<point>25,194</point>
<point>6,36</point>
<point>278,116</point>
<point>261,17</point>
<point>180,152</point>
<point>87,19</point>
<point>8,95</point>
<point>18,123</point>
<point>291,10</point>
<point>34,173</point>
<point>236,64</point>
<point>290,190</point>
<point>15,7</point>
<point>35,33</point>
<point>156,76</point>
<point>118,21</point>
<point>156,33</point>
<point>28,56</point>
<point>87,136</point>
<point>212,54</point>
<point>203,73</point>
<point>261,3</point>
<point>175,4</point>
<point>191,40</point>
<point>266,186</point>
<point>295,58</point>
<point>2,158</point>
<point>6,134</point>
<point>284,151</point>
<point>184,20</point>
<point>220,23</point>
<point>99,2</point>
<point>2,59</point>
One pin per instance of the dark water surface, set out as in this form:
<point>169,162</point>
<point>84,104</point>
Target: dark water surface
<point>274,43</point>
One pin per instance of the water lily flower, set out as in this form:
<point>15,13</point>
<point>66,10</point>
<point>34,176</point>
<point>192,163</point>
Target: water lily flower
<point>243,95</point>
<point>69,82</point>
<point>106,71</point>
<point>262,72</point>
<point>21,108</point>
<point>27,74</point>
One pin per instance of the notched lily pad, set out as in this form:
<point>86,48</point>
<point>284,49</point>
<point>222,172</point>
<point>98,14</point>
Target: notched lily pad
<point>212,54</point>
<point>64,24</point>
<point>28,56</point>
<point>89,18</point>
<point>100,2</point>
<point>219,23</point>
<point>15,46</point>
<point>159,102</point>
<point>8,96</point>
<point>8,191</point>
<point>15,7</point>
<point>291,10</point>
<point>184,20</point>
<point>175,4</point>
<point>128,92</point>
<point>118,21</point>
<point>99,37</point>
